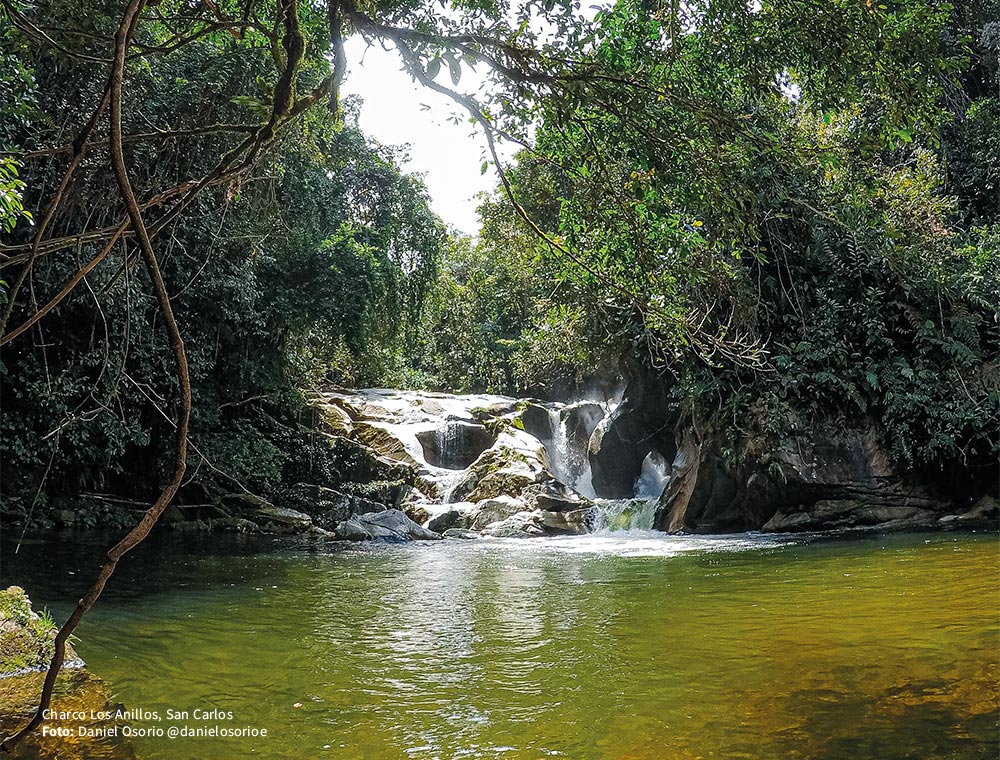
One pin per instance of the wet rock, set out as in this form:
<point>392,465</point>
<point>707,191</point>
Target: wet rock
<point>556,502</point>
<point>234,525</point>
<point>575,522</point>
<point>461,533</point>
<point>519,525</point>
<point>616,455</point>
<point>494,510</point>
<point>388,525</point>
<point>455,445</point>
<point>503,470</point>
<point>453,518</point>
<point>535,420</point>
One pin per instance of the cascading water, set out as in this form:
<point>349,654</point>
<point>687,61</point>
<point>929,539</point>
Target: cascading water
<point>654,476</point>
<point>614,515</point>
<point>527,445</point>
<point>567,453</point>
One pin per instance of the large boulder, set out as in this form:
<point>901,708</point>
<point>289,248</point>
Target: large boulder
<point>458,515</point>
<point>26,647</point>
<point>389,525</point>
<point>494,510</point>
<point>503,470</point>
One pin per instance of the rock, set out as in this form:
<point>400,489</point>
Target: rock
<point>554,502</point>
<point>234,525</point>
<point>64,518</point>
<point>494,410</point>
<point>831,478</point>
<point>384,443</point>
<point>455,445</point>
<point>281,519</point>
<point>453,518</point>
<point>615,454</point>
<point>416,512</point>
<point>535,420</point>
<point>358,463</point>
<point>781,523</point>
<point>389,493</point>
<point>575,522</point>
<point>334,419</point>
<point>501,471</point>
<point>389,525</point>
<point>494,510</point>
<point>986,511</point>
<point>461,533</point>
<point>519,525</point>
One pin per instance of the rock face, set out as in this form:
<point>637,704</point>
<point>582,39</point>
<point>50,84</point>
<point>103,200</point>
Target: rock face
<point>829,479</point>
<point>455,445</point>
<point>642,423</point>
<point>509,467</point>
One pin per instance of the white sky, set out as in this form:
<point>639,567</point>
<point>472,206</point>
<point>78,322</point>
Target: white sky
<point>449,156</point>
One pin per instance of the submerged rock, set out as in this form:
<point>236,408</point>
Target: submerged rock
<point>461,533</point>
<point>26,648</point>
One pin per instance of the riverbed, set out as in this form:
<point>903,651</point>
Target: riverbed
<point>629,645</point>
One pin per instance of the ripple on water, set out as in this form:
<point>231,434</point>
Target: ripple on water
<point>633,645</point>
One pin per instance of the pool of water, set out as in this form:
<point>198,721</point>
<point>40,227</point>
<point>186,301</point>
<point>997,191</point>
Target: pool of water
<point>618,647</point>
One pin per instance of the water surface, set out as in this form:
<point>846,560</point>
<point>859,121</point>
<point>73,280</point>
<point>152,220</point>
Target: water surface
<point>625,646</point>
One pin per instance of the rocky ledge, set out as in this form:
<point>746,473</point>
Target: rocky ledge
<point>25,651</point>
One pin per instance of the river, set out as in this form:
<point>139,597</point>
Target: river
<point>621,646</point>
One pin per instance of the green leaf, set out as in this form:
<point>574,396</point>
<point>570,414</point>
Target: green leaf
<point>433,68</point>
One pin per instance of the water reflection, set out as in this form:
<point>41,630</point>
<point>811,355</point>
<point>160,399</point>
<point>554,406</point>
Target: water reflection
<point>641,648</point>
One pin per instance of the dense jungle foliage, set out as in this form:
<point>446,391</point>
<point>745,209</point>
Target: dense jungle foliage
<point>790,210</point>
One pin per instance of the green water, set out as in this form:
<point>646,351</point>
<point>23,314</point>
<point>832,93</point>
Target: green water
<point>618,648</point>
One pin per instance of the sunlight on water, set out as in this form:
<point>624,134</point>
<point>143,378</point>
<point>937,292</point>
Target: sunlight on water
<point>625,646</point>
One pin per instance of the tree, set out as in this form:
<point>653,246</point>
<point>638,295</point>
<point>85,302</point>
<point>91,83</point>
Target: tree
<point>636,93</point>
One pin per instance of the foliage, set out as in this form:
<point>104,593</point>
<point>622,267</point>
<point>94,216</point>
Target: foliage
<point>326,243</point>
<point>784,232</point>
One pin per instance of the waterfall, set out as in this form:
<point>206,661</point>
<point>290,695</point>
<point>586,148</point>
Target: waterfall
<point>623,515</point>
<point>654,476</point>
<point>571,428</point>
